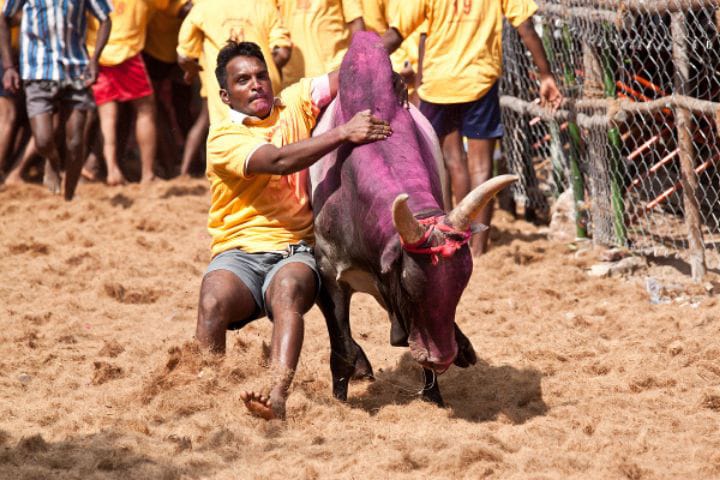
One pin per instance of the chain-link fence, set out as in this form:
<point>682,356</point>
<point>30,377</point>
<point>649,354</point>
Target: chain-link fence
<point>637,141</point>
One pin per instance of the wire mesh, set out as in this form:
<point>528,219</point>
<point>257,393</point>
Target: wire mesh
<point>637,139</point>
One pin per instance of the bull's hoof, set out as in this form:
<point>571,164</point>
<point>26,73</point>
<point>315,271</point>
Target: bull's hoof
<point>431,390</point>
<point>466,353</point>
<point>340,388</point>
<point>362,370</point>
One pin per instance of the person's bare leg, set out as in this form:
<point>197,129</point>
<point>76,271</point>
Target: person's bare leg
<point>146,136</point>
<point>43,132</point>
<point>456,164</point>
<point>90,166</point>
<point>108,113</point>
<point>7,120</point>
<point>15,175</point>
<point>480,162</point>
<point>195,138</point>
<point>289,296</point>
<point>74,132</point>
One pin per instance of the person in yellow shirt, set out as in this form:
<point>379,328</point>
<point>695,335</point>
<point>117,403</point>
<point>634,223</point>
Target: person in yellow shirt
<point>212,23</point>
<point>320,31</point>
<point>160,57</point>
<point>123,77</point>
<point>260,218</point>
<point>405,59</point>
<point>461,68</point>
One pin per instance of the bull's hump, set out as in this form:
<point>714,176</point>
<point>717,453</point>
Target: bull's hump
<point>366,79</point>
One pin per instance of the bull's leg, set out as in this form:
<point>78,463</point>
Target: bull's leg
<point>466,353</point>
<point>347,359</point>
<point>431,390</point>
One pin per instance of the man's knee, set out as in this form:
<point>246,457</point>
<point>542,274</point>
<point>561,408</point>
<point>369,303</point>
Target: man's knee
<point>45,143</point>
<point>214,311</point>
<point>295,292</point>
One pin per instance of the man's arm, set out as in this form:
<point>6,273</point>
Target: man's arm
<point>11,77</point>
<point>357,25</point>
<point>549,93</point>
<point>391,40</point>
<point>101,40</point>
<point>269,159</point>
<point>281,56</point>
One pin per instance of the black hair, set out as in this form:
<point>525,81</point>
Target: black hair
<point>231,50</point>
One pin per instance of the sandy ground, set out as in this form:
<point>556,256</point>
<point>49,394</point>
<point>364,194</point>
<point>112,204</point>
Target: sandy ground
<point>579,377</point>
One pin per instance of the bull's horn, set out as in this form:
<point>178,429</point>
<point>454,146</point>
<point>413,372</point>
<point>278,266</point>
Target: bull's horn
<point>465,211</point>
<point>405,222</point>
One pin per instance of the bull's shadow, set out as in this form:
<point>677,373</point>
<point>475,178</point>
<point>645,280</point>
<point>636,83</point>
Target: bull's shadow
<point>477,394</point>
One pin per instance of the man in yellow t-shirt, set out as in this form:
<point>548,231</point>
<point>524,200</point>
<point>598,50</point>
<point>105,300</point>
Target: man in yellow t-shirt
<point>461,69</point>
<point>260,218</point>
<point>123,77</point>
<point>320,31</point>
<point>376,14</point>
<point>212,23</point>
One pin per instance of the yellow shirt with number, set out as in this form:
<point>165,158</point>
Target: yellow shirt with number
<point>162,32</point>
<point>209,26</point>
<point>319,32</point>
<point>463,49</point>
<point>127,36</point>
<point>260,213</point>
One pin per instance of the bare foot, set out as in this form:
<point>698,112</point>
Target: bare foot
<point>52,180</point>
<point>14,178</point>
<point>88,175</point>
<point>147,179</point>
<point>262,406</point>
<point>115,177</point>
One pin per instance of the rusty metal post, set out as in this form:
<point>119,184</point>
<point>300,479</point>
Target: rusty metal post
<point>683,118</point>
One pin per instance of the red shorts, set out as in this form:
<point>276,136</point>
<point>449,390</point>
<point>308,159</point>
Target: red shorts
<point>122,83</point>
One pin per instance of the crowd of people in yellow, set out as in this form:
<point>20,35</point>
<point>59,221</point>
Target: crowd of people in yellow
<point>255,74</point>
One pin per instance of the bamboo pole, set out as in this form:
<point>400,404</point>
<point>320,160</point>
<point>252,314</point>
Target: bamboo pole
<point>556,150</point>
<point>578,182</point>
<point>685,143</point>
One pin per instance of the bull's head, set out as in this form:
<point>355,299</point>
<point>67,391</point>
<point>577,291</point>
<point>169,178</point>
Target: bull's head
<point>435,267</point>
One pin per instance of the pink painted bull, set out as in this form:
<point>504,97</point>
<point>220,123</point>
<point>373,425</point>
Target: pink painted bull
<point>381,229</point>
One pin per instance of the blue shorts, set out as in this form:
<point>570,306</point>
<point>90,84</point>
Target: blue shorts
<point>479,119</point>
<point>256,271</point>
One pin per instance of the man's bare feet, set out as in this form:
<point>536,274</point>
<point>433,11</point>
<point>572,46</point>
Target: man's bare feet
<point>115,177</point>
<point>14,178</point>
<point>88,175</point>
<point>52,180</point>
<point>146,179</point>
<point>263,406</point>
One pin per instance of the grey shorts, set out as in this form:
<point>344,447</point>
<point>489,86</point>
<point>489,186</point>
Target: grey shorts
<point>256,271</point>
<point>46,96</point>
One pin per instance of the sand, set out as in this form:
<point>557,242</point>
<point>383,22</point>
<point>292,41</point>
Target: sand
<point>579,377</point>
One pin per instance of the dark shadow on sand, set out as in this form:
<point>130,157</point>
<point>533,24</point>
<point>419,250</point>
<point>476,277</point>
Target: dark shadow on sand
<point>506,238</point>
<point>103,455</point>
<point>476,394</point>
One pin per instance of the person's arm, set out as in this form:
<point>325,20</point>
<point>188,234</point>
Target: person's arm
<point>269,159</point>
<point>103,33</point>
<point>391,40</point>
<point>189,49</point>
<point>281,56</point>
<point>11,77</point>
<point>549,92</point>
<point>357,25</point>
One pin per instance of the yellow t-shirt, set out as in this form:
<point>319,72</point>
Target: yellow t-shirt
<point>260,213</point>
<point>162,32</point>
<point>127,36</point>
<point>319,33</point>
<point>463,50</point>
<point>212,23</point>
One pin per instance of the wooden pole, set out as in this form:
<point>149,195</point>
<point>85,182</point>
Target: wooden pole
<point>685,143</point>
<point>599,179</point>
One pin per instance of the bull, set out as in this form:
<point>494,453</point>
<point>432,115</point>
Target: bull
<point>381,229</point>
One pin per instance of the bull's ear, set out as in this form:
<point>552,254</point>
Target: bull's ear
<point>390,255</point>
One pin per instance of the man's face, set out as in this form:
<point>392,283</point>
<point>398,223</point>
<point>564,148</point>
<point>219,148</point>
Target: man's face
<point>249,90</point>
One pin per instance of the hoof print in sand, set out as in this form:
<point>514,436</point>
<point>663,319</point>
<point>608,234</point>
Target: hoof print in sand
<point>131,295</point>
<point>182,191</point>
<point>104,372</point>
<point>121,200</point>
<point>33,248</point>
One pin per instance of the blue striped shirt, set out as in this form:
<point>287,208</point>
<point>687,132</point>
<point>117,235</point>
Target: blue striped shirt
<point>52,36</point>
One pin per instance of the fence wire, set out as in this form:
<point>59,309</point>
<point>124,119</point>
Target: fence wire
<point>637,140</point>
